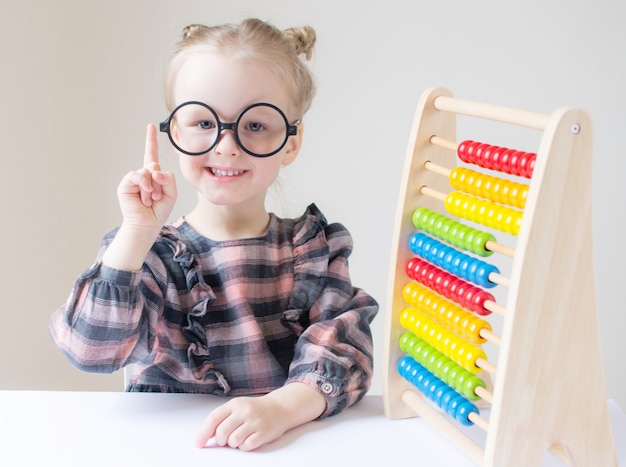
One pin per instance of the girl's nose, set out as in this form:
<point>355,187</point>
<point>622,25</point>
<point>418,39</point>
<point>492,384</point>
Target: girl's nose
<point>227,144</point>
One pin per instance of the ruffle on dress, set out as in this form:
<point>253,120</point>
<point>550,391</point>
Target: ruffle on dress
<point>310,255</point>
<point>202,296</point>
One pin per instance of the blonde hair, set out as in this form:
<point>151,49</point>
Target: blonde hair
<point>255,39</point>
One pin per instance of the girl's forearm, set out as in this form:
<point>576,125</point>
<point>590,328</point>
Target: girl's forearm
<point>128,250</point>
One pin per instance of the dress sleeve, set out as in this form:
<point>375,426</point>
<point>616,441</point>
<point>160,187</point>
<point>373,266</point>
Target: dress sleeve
<point>109,318</point>
<point>334,351</point>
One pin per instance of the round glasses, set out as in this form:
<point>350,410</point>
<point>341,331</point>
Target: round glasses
<point>261,129</point>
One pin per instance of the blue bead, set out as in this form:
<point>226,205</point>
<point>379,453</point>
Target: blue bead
<point>415,242</point>
<point>463,411</point>
<point>448,260</point>
<point>432,388</point>
<point>425,382</point>
<point>454,404</point>
<point>403,364</point>
<point>433,251</point>
<point>447,398</point>
<point>441,391</point>
<point>464,265</point>
<point>482,274</point>
<point>441,254</point>
<point>456,264</point>
<point>471,271</point>
<point>427,244</point>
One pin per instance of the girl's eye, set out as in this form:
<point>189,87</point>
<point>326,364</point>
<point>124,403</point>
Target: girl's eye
<point>254,126</point>
<point>205,124</point>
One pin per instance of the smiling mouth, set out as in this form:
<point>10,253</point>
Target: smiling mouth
<point>226,173</point>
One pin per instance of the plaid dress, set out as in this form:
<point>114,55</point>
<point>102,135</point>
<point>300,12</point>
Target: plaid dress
<point>231,318</point>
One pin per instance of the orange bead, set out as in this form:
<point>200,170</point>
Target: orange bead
<point>496,189</point>
<point>505,192</point>
<point>475,327</point>
<point>479,182</point>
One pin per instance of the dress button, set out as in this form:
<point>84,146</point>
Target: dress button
<point>327,388</point>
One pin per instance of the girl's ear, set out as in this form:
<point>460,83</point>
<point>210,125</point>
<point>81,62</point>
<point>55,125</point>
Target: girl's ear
<point>292,148</point>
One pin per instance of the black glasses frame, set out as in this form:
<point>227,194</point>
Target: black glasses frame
<point>291,130</point>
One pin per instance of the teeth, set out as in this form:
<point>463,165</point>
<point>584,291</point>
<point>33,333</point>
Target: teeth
<point>226,173</point>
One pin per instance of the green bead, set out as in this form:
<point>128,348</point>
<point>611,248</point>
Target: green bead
<point>417,348</point>
<point>431,361</point>
<point>479,241</point>
<point>469,240</point>
<point>426,352</point>
<point>461,233</point>
<point>429,226</point>
<point>405,342</point>
<point>444,229</point>
<point>439,364</point>
<point>453,374</point>
<point>418,214</point>
<point>446,368</point>
<point>461,377</point>
<point>470,385</point>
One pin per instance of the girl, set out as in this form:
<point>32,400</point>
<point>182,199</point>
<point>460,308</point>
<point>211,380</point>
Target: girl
<point>229,299</point>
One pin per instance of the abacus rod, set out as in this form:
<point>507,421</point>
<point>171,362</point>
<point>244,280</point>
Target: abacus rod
<point>537,121</point>
<point>433,193</point>
<point>499,248</point>
<point>499,279</point>
<point>485,365</point>
<point>428,165</point>
<point>422,408</point>
<point>484,394</point>
<point>478,421</point>
<point>490,336</point>
<point>444,143</point>
<point>492,306</point>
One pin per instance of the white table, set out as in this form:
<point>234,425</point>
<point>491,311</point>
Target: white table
<point>43,428</point>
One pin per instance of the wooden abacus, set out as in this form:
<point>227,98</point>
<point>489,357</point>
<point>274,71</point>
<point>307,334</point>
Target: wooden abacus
<point>547,391</point>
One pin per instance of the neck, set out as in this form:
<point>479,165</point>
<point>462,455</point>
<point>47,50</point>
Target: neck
<point>219,222</point>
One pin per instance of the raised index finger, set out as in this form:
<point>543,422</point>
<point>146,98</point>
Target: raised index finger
<point>151,154</point>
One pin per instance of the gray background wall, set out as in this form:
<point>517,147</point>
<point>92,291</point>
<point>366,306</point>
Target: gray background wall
<point>80,80</point>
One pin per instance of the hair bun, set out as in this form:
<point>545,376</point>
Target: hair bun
<point>191,30</point>
<point>302,39</point>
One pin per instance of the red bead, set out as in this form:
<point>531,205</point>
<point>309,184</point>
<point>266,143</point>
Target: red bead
<point>439,283</point>
<point>496,154</point>
<point>531,165</point>
<point>462,150</point>
<point>452,289</point>
<point>522,164</point>
<point>482,154</point>
<point>459,289</point>
<point>478,302</point>
<point>469,152</point>
<point>505,160</point>
<point>513,162</point>
<point>445,284</point>
<point>409,268</point>
<point>422,273</point>
<point>431,277</point>
<point>468,296</point>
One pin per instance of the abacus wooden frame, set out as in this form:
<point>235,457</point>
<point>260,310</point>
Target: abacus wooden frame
<point>550,348</point>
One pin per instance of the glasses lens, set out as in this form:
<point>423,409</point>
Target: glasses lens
<point>194,128</point>
<point>262,130</point>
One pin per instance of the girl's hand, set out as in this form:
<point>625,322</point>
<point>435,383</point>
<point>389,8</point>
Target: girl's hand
<point>147,195</point>
<point>250,422</point>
